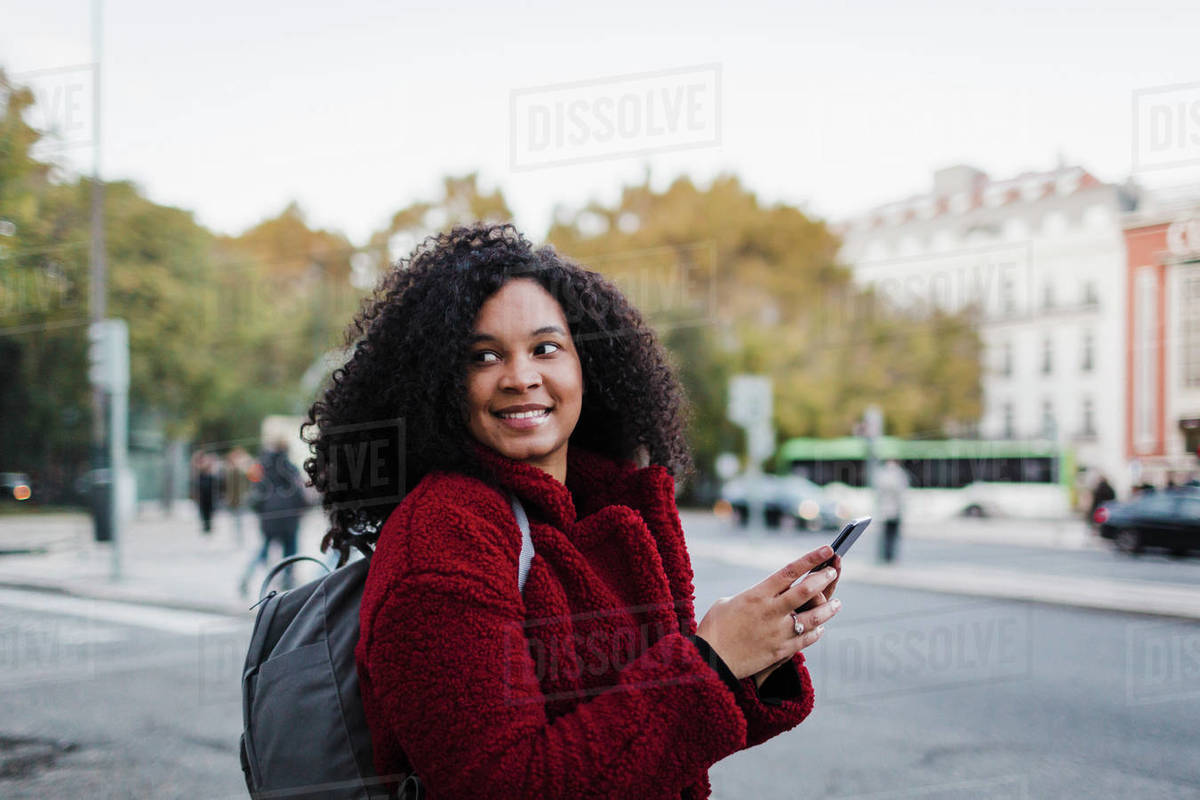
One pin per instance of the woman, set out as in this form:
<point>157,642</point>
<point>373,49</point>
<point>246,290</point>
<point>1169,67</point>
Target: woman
<point>509,371</point>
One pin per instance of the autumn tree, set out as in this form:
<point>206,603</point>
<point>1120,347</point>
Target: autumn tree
<point>734,285</point>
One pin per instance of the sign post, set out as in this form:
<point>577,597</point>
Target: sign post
<point>751,406</point>
<point>108,371</point>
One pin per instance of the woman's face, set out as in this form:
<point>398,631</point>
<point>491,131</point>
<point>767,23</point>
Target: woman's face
<point>524,380</point>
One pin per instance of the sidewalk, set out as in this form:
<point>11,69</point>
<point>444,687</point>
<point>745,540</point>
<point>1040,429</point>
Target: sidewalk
<point>167,562</point>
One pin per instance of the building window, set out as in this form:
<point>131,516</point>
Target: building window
<point>1089,352</point>
<point>1088,426</point>
<point>1190,350</point>
<point>1047,356</point>
<point>1091,297</point>
<point>1006,359</point>
<point>1145,348</point>
<point>1008,296</point>
<point>1049,425</point>
<point>1009,421</point>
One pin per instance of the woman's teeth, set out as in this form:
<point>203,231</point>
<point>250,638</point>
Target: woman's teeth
<point>524,414</point>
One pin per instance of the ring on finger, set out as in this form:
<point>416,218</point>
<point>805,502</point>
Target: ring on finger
<point>797,625</point>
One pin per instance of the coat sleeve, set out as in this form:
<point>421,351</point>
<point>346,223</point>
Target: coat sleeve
<point>786,697</point>
<point>454,683</point>
<point>780,704</point>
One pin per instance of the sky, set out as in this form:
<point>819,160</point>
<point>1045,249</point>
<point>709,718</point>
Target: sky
<point>356,109</point>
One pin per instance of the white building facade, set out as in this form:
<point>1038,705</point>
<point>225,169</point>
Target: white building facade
<point>1038,261</point>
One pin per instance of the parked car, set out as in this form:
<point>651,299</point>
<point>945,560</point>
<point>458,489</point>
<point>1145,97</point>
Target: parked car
<point>782,498</point>
<point>15,487</point>
<point>1169,520</point>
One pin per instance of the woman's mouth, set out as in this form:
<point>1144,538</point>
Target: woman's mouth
<point>523,420</point>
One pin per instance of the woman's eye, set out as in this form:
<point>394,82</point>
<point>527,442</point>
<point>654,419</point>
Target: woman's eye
<point>550,344</point>
<point>486,357</point>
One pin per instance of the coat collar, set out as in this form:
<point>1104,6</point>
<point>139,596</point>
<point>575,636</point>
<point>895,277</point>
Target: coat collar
<point>592,479</point>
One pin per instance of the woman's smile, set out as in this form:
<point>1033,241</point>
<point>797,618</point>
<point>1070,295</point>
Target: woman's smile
<point>524,417</point>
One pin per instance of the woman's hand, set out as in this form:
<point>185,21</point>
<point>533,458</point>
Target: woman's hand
<point>752,631</point>
<point>825,596</point>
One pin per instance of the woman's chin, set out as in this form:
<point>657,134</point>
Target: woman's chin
<point>529,449</point>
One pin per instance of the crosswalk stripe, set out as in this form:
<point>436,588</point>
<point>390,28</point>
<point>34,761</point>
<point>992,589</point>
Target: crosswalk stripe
<point>169,620</point>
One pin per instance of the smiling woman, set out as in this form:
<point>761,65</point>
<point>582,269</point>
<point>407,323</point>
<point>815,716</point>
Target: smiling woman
<point>524,383</point>
<point>490,381</point>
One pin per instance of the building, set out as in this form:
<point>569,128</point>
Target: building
<point>1038,260</point>
<point>1163,346</point>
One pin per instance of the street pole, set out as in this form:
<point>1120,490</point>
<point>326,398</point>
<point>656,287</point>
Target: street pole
<point>117,405</point>
<point>873,429</point>
<point>97,306</point>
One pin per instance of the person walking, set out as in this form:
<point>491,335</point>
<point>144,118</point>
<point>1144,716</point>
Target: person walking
<point>278,499</point>
<point>516,372</point>
<point>205,488</point>
<point>1102,493</point>
<point>890,485</point>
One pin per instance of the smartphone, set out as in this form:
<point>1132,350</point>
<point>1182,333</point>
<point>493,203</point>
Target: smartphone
<point>845,539</point>
<point>841,545</point>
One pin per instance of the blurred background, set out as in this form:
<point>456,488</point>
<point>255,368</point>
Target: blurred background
<point>936,264</point>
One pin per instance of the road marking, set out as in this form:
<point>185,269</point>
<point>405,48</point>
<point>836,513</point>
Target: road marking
<point>169,620</point>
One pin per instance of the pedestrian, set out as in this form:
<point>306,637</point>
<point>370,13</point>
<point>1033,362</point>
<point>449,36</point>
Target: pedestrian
<point>237,488</point>
<point>1101,494</point>
<point>205,488</point>
<point>890,485</point>
<point>279,500</point>
<point>514,371</point>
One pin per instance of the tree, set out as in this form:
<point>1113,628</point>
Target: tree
<point>735,286</point>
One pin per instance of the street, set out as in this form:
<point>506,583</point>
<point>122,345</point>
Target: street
<point>111,700</point>
<point>981,699</point>
<point>919,694</point>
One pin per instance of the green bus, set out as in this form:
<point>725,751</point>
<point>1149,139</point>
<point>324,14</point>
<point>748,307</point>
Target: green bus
<point>930,463</point>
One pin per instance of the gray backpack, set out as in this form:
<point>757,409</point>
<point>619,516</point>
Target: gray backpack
<point>305,733</point>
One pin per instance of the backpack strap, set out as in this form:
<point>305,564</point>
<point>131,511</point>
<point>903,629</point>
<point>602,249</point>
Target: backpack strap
<point>526,557</point>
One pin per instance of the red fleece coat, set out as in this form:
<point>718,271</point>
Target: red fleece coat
<point>586,685</point>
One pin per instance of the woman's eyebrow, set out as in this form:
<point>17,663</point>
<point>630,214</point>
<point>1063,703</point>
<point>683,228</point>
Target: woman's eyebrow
<point>487,337</point>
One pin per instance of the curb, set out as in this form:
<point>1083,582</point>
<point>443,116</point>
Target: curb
<point>1152,599</point>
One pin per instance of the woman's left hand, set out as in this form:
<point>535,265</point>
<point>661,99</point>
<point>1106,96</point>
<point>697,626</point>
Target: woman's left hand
<point>827,594</point>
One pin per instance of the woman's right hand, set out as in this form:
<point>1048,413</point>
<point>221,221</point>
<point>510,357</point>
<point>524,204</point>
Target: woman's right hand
<point>753,629</point>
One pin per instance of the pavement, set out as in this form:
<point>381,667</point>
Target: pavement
<point>166,561</point>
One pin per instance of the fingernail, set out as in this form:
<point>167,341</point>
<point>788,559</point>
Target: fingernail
<point>831,573</point>
<point>827,551</point>
<point>820,629</point>
<point>836,604</point>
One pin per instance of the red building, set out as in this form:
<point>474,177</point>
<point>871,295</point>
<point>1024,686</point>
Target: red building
<point>1162,394</point>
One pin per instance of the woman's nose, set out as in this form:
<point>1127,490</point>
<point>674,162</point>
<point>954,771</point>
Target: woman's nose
<point>521,374</point>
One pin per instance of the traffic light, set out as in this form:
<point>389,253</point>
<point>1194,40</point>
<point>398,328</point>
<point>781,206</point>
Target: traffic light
<point>108,355</point>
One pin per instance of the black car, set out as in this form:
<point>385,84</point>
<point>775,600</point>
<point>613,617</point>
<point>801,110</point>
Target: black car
<point>1169,519</point>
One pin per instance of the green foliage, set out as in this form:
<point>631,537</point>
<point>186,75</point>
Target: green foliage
<point>221,328</point>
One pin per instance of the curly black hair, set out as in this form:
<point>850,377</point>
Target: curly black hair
<point>403,389</point>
